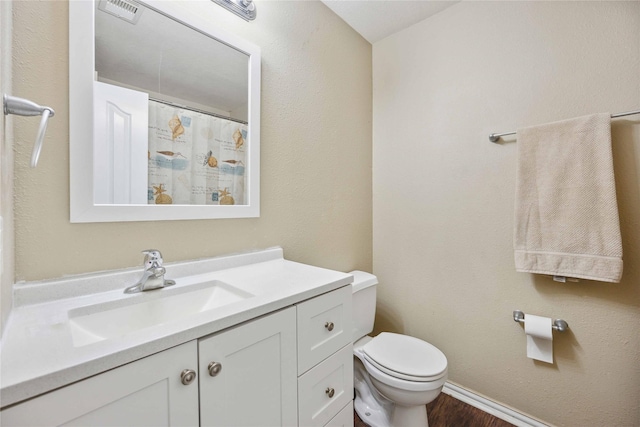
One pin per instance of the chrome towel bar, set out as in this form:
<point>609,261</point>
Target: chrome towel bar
<point>24,107</point>
<point>558,324</point>
<point>494,137</point>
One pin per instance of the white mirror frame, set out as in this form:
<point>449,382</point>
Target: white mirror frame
<point>81,77</point>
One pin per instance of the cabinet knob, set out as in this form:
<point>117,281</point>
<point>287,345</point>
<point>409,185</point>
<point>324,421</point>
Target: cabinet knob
<point>330,392</point>
<point>214,368</point>
<point>187,376</point>
<point>329,326</point>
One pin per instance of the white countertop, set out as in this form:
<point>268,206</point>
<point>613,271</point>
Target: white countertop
<point>37,353</point>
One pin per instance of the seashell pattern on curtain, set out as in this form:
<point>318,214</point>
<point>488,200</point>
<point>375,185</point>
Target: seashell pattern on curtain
<point>195,158</point>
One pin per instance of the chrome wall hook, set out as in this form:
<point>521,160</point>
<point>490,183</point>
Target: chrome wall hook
<point>558,324</point>
<point>24,107</point>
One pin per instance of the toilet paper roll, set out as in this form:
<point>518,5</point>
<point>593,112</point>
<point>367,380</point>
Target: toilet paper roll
<point>539,333</point>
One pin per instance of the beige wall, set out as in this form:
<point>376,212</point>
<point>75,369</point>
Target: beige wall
<point>444,196</point>
<point>315,144</point>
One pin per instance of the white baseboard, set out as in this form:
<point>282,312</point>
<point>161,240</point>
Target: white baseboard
<point>491,407</point>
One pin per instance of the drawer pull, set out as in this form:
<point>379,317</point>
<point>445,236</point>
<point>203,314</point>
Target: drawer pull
<point>214,368</point>
<point>329,326</point>
<point>330,392</point>
<point>187,376</point>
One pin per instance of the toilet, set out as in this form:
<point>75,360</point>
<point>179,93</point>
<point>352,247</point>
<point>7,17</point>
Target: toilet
<point>395,375</point>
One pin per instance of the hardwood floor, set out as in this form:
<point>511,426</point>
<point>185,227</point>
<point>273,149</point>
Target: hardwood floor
<point>447,411</point>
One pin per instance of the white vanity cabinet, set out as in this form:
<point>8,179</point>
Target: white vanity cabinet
<point>325,359</point>
<point>147,392</point>
<point>290,367</point>
<point>293,367</point>
<point>248,373</point>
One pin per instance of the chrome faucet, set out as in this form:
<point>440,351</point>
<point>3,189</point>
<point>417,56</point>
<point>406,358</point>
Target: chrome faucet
<point>153,275</point>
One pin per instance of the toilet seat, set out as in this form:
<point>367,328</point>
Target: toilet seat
<point>403,384</point>
<point>405,377</point>
<point>405,358</point>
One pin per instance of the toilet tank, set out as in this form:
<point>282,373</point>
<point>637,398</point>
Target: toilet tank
<point>364,303</point>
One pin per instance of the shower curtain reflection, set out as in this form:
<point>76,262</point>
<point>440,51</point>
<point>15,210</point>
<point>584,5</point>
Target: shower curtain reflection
<point>195,158</point>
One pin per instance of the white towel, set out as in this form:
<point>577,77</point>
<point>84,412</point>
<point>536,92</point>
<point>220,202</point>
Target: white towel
<point>566,215</point>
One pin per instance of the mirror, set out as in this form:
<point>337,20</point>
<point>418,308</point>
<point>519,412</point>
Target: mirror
<point>164,115</point>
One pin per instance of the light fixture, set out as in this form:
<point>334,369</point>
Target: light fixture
<point>245,9</point>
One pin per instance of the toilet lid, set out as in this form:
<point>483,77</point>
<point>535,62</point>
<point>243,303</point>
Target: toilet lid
<point>406,357</point>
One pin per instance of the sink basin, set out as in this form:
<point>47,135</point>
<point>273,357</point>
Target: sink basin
<point>113,319</point>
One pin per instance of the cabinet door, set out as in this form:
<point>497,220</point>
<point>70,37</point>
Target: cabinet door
<point>256,384</point>
<point>147,392</point>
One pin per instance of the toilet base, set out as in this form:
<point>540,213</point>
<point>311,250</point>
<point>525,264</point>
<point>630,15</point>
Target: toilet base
<point>410,416</point>
<point>374,415</point>
<point>375,410</point>
<point>371,416</point>
<point>372,408</point>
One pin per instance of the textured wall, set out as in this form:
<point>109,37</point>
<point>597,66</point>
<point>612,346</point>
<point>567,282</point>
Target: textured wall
<point>315,146</point>
<point>444,197</point>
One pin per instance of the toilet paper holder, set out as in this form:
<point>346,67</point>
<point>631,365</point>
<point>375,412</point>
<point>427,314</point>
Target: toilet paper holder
<point>558,324</point>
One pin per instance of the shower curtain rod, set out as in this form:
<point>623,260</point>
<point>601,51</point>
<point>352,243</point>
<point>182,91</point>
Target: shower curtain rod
<point>184,107</point>
<point>494,137</point>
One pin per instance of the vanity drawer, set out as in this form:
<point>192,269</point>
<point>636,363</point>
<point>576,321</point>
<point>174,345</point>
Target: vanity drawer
<point>344,417</point>
<point>326,389</point>
<point>324,326</point>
